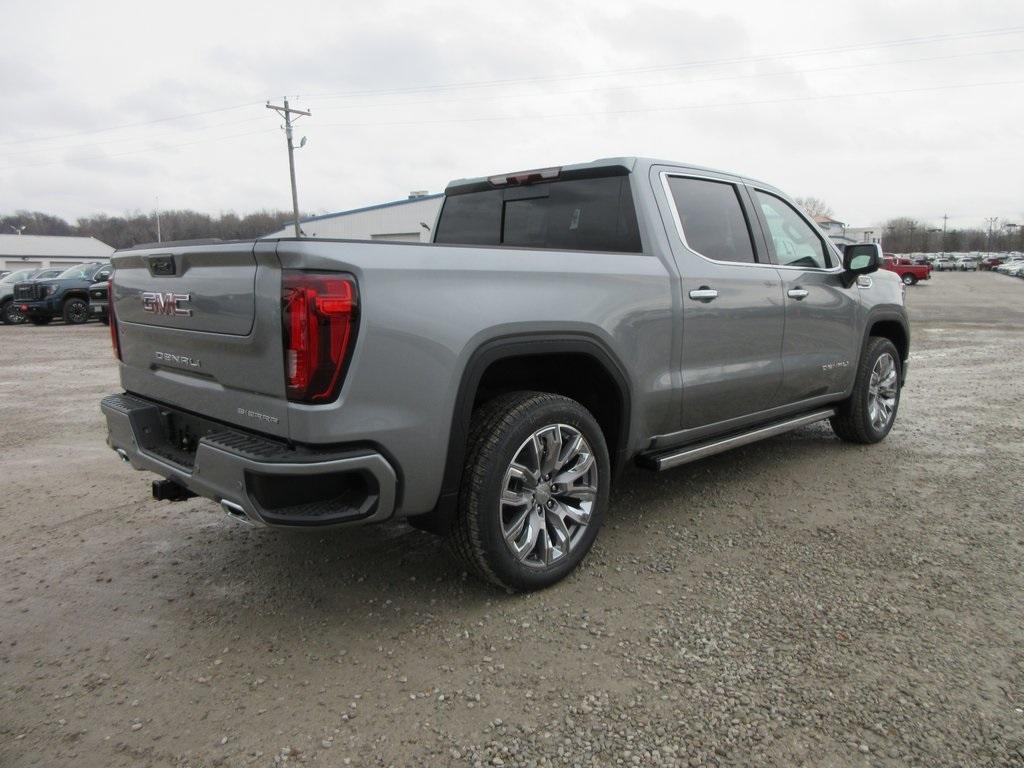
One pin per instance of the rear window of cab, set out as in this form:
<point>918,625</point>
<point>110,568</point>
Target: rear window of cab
<point>590,214</point>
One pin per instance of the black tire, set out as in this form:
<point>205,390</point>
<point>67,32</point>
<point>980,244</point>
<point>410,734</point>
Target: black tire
<point>497,432</point>
<point>75,311</point>
<point>909,279</point>
<point>40,320</point>
<point>10,314</point>
<point>852,421</point>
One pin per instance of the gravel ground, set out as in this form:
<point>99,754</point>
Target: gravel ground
<point>797,602</point>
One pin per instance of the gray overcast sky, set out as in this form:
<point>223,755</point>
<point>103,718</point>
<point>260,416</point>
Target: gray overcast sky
<point>936,127</point>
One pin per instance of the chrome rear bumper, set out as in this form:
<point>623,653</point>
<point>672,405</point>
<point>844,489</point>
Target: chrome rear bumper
<point>260,480</point>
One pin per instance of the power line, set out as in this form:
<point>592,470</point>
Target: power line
<point>138,151</point>
<point>510,118</point>
<point>665,83</point>
<point>552,78</point>
<point>158,137</point>
<point>93,131</point>
<point>724,78</point>
<point>831,50</point>
<point>679,108</point>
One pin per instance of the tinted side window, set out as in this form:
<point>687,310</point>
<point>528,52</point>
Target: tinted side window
<point>473,219</point>
<point>712,217</point>
<point>575,214</point>
<point>796,243</point>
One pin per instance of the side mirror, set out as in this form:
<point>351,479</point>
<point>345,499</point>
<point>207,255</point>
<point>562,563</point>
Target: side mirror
<point>862,258</point>
<point>99,277</point>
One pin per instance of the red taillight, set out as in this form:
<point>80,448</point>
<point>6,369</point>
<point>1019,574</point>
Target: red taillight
<point>318,318</point>
<point>115,339</point>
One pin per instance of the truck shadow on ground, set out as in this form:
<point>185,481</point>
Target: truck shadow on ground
<point>341,572</point>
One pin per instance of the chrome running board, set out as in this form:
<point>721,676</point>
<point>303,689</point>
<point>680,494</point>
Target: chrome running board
<point>678,456</point>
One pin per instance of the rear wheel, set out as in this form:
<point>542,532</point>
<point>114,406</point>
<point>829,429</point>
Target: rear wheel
<point>868,415</point>
<point>909,279</point>
<point>76,311</point>
<point>10,314</point>
<point>534,489</point>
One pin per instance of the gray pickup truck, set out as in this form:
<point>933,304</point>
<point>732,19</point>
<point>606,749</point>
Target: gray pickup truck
<point>489,385</point>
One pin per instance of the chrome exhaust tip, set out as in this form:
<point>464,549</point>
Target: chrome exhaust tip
<point>235,511</point>
<point>123,454</point>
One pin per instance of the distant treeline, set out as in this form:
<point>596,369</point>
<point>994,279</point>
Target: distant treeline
<point>906,235</point>
<point>899,235</point>
<point>135,228</point>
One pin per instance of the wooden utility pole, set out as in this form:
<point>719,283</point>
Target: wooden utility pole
<point>287,112</point>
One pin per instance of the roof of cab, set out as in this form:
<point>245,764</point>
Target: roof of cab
<point>631,165</point>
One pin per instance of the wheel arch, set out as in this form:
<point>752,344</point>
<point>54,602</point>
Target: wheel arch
<point>892,326</point>
<point>511,363</point>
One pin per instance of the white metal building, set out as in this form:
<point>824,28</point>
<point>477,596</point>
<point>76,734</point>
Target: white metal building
<point>35,251</point>
<point>401,220</point>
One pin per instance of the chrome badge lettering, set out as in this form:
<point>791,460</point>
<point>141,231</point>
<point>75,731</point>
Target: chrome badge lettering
<point>258,416</point>
<point>170,357</point>
<point>835,365</point>
<point>167,303</point>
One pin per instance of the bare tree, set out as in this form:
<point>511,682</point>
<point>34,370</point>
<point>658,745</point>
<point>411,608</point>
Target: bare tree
<point>814,206</point>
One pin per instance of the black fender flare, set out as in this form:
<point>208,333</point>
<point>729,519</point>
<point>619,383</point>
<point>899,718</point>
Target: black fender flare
<point>518,345</point>
<point>887,314</point>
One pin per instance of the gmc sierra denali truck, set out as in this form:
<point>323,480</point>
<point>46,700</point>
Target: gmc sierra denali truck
<point>489,385</point>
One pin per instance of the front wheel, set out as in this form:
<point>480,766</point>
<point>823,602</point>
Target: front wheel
<point>11,314</point>
<point>909,279</point>
<point>76,311</point>
<point>534,489</point>
<point>868,415</point>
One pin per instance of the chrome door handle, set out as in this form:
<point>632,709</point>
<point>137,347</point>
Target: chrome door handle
<point>704,294</point>
<point>797,293</point>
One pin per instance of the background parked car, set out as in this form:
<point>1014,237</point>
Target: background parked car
<point>909,272</point>
<point>98,306</point>
<point>943,263</point>
<point>66,295</point>
<point>967,264</point>
<point>10,312</point>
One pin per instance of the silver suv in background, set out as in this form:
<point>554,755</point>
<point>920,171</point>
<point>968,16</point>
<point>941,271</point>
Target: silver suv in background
<point>489,386</point>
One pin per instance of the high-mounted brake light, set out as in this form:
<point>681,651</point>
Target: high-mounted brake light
<point>319,313</point>
<point>115,338</point>
<point>524,177</point>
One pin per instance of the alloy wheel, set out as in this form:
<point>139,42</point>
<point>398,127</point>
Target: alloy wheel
<point>548,495</point>
<point>882,391</point>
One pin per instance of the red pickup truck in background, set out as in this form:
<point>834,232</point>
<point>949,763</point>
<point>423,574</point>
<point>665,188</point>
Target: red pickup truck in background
<point>908,271</point>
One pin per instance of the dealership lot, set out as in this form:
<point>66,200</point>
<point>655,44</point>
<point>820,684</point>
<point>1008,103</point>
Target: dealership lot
<point>796,602</point>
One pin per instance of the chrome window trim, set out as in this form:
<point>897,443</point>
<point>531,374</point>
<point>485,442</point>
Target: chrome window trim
<point>665,175</point>
<point>679,224</point>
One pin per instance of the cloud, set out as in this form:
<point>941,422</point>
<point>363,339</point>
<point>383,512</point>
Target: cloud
<point>380,130</point>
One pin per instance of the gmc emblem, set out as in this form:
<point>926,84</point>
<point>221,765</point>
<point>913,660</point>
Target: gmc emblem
<point>166,303</point>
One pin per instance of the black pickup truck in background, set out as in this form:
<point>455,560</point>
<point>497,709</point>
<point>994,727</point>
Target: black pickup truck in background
<point>66,295</point>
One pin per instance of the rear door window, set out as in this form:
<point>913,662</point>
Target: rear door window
<point>712,219</point>
<point>595,214</point>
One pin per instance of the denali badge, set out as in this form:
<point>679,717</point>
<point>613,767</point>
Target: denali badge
<point>170,357</point>
<point>166,303</point>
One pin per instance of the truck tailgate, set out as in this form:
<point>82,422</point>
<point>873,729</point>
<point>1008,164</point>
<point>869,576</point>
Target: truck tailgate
<point>200,328</point>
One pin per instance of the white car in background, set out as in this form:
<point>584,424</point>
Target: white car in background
<point>1011,266</point>
<point>943,263</point>
<point>967,264</point>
